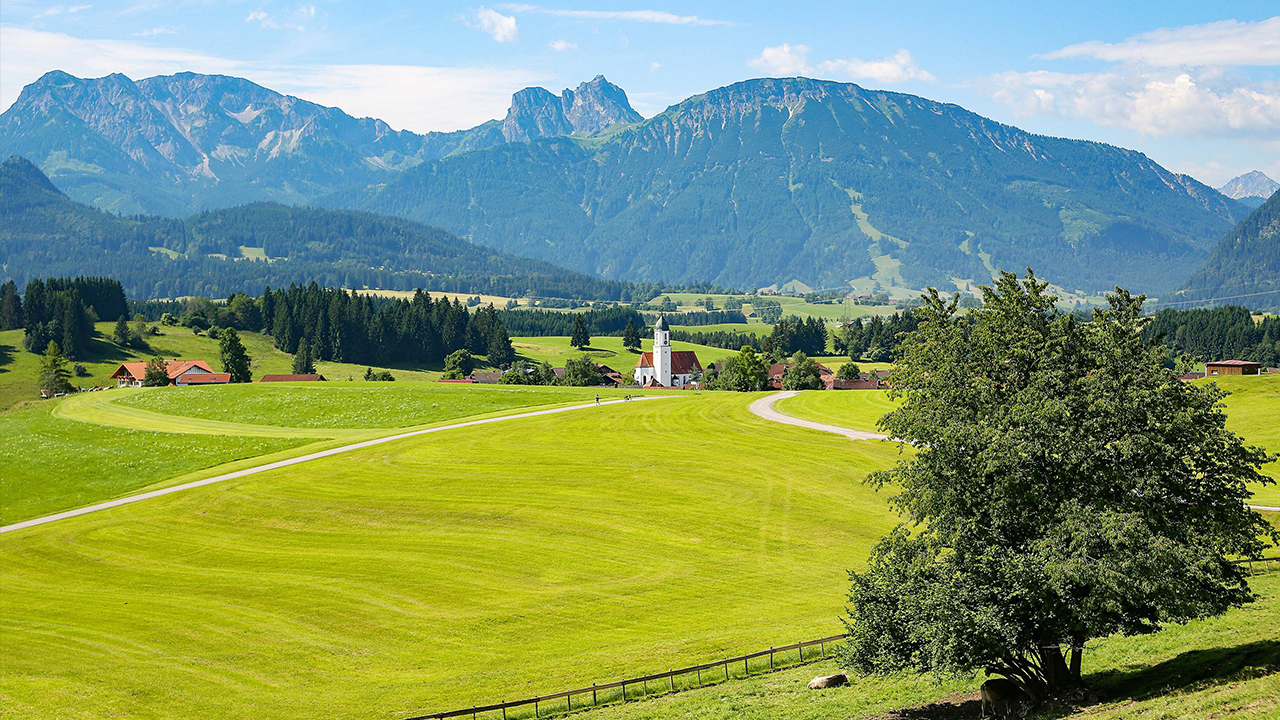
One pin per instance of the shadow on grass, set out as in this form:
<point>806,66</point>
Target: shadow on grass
<point>1191,670</point>
<point>6,356</point>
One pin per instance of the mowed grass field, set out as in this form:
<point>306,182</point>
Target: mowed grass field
<point>439,571</point>
<point>606,350</point>
<point>97,446</point>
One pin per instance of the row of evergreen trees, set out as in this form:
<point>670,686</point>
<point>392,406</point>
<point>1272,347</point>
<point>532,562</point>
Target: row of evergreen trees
<point>792,335</point>
<point>874,338</point>
<point>1221,333</point>
<point>332,324</point>
<point>61,310</point>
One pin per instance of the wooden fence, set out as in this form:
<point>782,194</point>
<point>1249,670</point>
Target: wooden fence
<point>639,687</point>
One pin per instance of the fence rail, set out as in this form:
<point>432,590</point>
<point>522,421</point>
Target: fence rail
<point>642,681</point>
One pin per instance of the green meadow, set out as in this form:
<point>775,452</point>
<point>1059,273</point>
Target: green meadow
<point>606,350</point>
<point>438,570</point>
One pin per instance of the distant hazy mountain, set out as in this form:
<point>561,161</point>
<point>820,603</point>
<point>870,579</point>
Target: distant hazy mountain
<point>176,143</point>
<point>242,249</point>
<point>1251,188</point>
<point>768,181</point>
<point>1244,268</point>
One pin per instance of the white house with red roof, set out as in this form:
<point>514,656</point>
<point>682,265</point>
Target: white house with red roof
<point>180,372</point>
<point>665,367</point>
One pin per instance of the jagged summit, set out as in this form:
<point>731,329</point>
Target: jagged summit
<point>1251,184</point>
<point>537,113</point>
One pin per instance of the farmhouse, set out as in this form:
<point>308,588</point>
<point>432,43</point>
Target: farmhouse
<point>180,372</point>
<point>665,367</point>
<point>1232,367</point>
<point>308,377</point>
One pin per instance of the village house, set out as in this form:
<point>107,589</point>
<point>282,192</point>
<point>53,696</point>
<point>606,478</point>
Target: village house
<point>180,372</point>
<point>665,367</point>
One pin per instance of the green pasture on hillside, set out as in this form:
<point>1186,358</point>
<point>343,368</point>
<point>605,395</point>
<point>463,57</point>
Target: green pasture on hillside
<point>349,405</point>
<point>435,571</point>
<point>20,370</point>
<point>1219,667</point>
<point>49,464</point>
<point>856,409</point>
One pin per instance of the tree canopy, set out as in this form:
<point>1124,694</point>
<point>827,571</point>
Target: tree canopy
<point>1065,486</point>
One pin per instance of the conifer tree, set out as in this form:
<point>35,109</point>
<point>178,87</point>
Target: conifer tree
<point>303,363</point>
<point>581,338</point>
<point>235,360</point>
<point>121,336</point>
<point>10,307</point>
<point>631,336</point>
<point>54,375</point>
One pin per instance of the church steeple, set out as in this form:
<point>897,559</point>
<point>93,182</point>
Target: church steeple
<point>662,351</point>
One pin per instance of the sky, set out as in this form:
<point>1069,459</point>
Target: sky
<point>1194,85</point>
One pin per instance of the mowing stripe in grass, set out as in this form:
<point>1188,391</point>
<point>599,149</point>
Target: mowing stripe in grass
<point>301,459</point>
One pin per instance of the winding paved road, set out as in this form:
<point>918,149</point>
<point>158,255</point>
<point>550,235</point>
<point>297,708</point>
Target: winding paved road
<point>301,459</point>
<point>764,408</point>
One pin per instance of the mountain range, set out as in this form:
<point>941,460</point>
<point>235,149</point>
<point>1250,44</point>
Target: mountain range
<point>765,182</point>
<point>173,144</point>
<point>243,249</point>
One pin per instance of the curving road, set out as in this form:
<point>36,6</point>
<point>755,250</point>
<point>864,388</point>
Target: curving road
<point>301,459</point>
<point>764,408</point>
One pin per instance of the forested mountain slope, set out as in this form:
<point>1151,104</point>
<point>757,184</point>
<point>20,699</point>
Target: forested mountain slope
<point>1245,266</point>
<point>771,180</point>
<point>43,233</point>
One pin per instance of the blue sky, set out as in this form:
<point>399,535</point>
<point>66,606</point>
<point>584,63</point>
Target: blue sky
<point>1194,85</point>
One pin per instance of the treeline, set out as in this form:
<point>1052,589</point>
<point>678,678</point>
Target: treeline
<point>332,324</point>
<point>726,339</point>
<point>792,335</point>
<point>60,310</point>
<point>542,323</point>
<point>710,317</point>
<point>874,338</point>
<point>1222,333</point>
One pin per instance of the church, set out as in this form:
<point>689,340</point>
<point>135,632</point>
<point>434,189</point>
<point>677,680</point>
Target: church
<point>665,367</point>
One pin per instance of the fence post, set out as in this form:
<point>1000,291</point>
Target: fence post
<point>770,657</point>
<point>535,708</point>
<point>593,696</point>
<point>672,677</point>
<point>699,677</point>
<point>802,652</point>
<point>726,670</point>
<point>646,688</point>
<point>624,692</point>
<point>568,701</point>
<point>504,710</point>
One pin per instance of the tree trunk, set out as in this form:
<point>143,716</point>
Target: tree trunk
<point>1076,652</point>
<point>1059,678</point>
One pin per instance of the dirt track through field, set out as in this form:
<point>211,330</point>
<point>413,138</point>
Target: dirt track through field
<point>764,408</point>
<point>305,458</point>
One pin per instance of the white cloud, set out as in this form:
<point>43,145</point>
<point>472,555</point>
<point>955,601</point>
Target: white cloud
<point>501,27</point>
<point>896,68</point>
<point>269,22</point>
<point>410,97</point>
<point>1156,102</point>
<point>259,16</point>
<point>61,10</point>
<point>1229,42</point>
<point>642,16</point>
<point>307,10</point>
<point>654,66</point>
<point>562,45</point>
<point>784,59</point>
<point>158,30</point>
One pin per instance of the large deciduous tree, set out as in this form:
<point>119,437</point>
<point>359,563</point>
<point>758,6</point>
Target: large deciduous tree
<point>802,374</point>
<point>1064,486</point>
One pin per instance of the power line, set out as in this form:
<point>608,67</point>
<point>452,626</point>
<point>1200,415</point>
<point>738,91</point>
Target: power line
<point>1224,297</point>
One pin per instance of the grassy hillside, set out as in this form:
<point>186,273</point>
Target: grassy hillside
<point>857,409</point>
<point>607,350</point>
<point>435,571</point>
<point>1227,666</point>
<point>19,369</point>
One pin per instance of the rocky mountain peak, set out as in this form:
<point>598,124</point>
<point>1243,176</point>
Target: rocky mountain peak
<point>1251,184</point>
<point>537,113</point>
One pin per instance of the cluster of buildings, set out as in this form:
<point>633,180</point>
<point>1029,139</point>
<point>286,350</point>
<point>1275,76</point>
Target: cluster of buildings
<point>192,372</point>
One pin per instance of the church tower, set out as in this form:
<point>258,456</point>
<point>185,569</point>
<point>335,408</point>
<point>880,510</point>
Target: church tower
<point>662,351</point>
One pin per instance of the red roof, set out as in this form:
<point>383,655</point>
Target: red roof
<point>172,368</point>
<point>683,362</point>
<point>207,379</point>
<point>1233,363</point>
<point>309,377</point>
